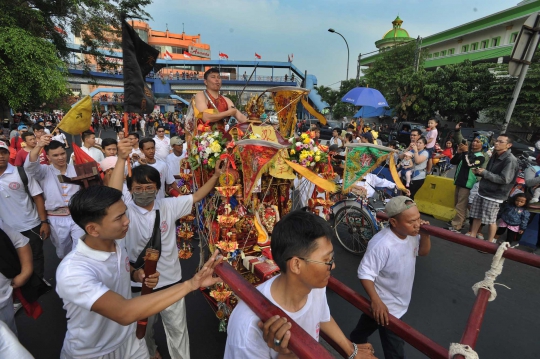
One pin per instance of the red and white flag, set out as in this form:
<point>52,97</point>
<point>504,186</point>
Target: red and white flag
<point>290,57</point>
<point>167,55</point>
<point>187,54</point>
<point>257,56</point>
<point>223,55</point>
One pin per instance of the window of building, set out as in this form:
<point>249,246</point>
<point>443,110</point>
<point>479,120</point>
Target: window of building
<point>178,50</point>
<point>496,41</point>
<point>465,48</point>
<point>451,51</point>
<point>513,37</point>
<point>142,34</point>
<point>474,46</point>
<point>436,54</point>
<point>443,53</point>
<point>430,56</point>
<point>484,44</point>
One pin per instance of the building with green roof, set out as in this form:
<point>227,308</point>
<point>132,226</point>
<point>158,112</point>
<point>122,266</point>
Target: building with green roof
<point>488,39</point>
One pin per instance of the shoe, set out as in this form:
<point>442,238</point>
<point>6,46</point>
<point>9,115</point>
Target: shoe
<point>480,236</point>
<point>468,234</point>
<point>17,306</point>
<point>452,229</point>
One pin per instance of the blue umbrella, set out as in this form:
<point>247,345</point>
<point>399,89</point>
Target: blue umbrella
<point>365,96</point>
<point>367,111</point>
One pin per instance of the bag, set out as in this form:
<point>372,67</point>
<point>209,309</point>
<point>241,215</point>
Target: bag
<point>154,242</point>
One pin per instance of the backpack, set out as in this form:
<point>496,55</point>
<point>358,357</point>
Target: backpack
<point>24,179</point>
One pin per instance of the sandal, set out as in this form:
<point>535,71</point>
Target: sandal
<point>480,236</point>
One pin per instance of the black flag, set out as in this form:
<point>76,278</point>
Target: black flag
<point>139,59</point>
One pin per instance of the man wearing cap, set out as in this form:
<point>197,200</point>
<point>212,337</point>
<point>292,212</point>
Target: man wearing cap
<point>387,273</point>
<point>366,137</point>
<point>16,141</point>
<point>64,231</point>
<point>178,153</point>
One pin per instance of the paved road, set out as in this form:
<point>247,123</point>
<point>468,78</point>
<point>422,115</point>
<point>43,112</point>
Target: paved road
<point>441,301</point>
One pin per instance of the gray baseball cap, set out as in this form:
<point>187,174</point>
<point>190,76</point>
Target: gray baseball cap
<point>397,205</point>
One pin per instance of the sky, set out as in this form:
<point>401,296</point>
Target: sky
<point>276,28</point>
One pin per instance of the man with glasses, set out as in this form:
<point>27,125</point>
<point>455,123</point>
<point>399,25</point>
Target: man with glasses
<point>302,249</point>
<point>143,209</point>
<point>497,180</point>
<point>163,143</point>
<point>387,273</point>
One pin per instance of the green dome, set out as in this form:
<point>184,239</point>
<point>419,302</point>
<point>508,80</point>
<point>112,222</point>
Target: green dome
<point>392,34</point>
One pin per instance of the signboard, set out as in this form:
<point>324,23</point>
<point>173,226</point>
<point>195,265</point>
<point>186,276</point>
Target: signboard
<point>523,45</point>
<point>197,51</point>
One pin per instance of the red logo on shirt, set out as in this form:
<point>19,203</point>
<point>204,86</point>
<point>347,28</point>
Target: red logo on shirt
<point>164,226</point>
<point>127,264</point>
<point>14,185</point>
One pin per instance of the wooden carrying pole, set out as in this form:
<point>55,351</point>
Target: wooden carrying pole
<point>150,264</point>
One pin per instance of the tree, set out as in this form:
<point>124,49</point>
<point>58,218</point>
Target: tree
<point>44,24</point>
<point>527,110</point>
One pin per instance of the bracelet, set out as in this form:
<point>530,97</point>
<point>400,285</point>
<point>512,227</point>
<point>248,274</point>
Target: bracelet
<point>354,352</point>
<point>46,221</point>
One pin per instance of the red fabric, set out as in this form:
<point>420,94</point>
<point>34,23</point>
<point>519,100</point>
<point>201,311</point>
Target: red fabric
<point>187,54</point>
<point>12,156</point>
<point>257,55</point>
<point>81,156</point>
<point>221,54</point>
<point>20,158</point>
<point>449,152</point>
<point>15,143</point>
<point>33,310</point>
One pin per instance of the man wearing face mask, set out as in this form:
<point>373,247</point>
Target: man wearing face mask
<point>146,213</point>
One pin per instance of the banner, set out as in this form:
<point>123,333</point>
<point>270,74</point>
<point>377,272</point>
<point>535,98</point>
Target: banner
<point>360,160</point>
<point>139,59</point>
<point>255,156</point>
<point>79,118</point>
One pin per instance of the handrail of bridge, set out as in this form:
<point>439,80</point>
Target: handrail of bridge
<point>400,328</point>
<point>301,343</point>
<point>510,253</point>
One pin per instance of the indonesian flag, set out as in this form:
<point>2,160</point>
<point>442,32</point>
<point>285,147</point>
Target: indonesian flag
<point>223,55</point>
<point>187,54</point>
<point>257,56</point>
<point>167,55</point>
<point>290,57</point>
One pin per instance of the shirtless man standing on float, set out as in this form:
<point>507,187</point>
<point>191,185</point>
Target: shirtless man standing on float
<point>210,99</point>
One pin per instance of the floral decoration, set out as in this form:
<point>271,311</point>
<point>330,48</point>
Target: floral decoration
<point>306,152</point>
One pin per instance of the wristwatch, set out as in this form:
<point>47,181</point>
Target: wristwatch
<point>46,221</point>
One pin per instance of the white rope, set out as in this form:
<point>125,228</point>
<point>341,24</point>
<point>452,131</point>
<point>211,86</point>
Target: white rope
<point>496,269</point>
<point>465,350</point>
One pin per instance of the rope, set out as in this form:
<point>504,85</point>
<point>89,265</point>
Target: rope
<point>496,269</point>
<point>465,350</point>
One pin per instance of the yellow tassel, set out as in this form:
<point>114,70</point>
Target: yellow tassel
<point>262,235</point>
<point>312,111</point>
<point>312,177</point>
<point>394,173</point>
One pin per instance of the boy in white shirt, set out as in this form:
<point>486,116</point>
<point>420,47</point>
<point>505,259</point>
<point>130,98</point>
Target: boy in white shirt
<point>302,248</point>
<point>88,141</point>
<point>94,282</point>
<point>144,207</point>
<point>387,273</point>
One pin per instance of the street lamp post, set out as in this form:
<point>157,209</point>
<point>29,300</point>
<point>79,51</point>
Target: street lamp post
<point>335,32</point>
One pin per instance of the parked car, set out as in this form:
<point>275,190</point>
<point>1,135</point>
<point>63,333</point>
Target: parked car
<point>402,132</point>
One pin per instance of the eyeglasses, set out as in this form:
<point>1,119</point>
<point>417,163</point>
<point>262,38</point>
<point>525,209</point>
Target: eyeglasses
<point>160,131</point>
<point>149,190</point>
<point>329,264</point>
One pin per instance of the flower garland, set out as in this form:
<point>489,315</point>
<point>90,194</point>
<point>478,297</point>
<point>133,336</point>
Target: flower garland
<point>206,150</point>
<point>305,152</point>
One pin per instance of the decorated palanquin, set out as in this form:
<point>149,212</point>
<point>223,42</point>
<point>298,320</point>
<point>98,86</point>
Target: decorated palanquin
<point>254,191</point>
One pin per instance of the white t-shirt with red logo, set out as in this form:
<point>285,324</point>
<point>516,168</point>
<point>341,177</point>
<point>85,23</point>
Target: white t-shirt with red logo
<point>245,339</point>
<point>140,230</point>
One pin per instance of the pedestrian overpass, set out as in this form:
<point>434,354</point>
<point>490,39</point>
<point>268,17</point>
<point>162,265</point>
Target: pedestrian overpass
<point>168,82</point>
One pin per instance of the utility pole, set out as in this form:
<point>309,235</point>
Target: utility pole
<point>358,69</point>
<point>417,53</point>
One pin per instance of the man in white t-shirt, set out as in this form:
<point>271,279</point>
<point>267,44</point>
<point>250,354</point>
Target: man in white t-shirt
<point>387,273</point>
<point>166,177</point>
<point>9,278</point>
<point>178,153</point>
<point>24,212</point>
<point>302,248</point>
<point>94,282</point>
<point>88,142</point>
<point>143,207</point>
<point>162,142</point>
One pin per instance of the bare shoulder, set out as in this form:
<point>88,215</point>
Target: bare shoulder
<point>200,101</point>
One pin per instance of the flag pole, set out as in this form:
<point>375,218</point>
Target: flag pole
<point>126,133</point>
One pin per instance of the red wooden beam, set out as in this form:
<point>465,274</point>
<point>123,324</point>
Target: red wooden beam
<point>400,328</point>
<point>301,343</point>
<point>485,246</point>
<point>472,330</point>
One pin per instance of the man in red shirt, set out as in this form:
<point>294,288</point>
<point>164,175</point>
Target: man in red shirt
<point>16,141</point>
<point>30,140</point>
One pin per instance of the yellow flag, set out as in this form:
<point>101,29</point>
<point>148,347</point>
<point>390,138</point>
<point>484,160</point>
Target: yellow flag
<point>79,118</point>
<point>312,111</point>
